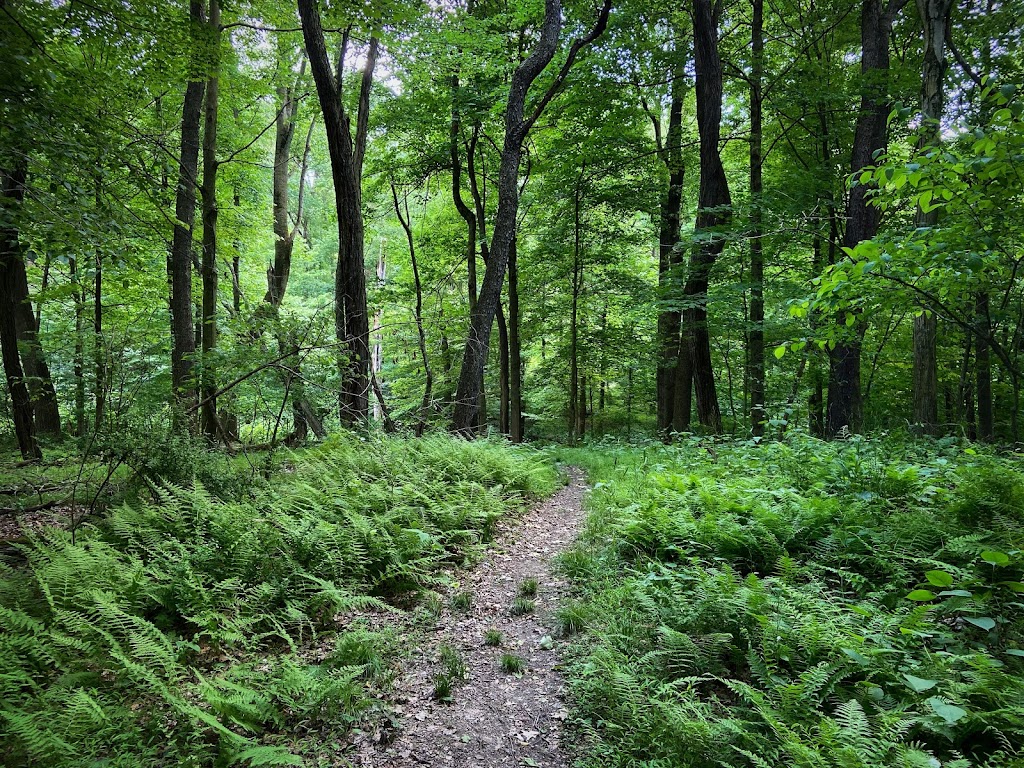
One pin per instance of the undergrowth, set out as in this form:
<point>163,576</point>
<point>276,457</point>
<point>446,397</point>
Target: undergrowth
<point>853,604</point>
<point>180,632</point>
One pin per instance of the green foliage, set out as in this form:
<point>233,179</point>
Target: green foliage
<point>176,632</point>
<point>528,588</point>
<point>493,638</point>
<point>522,606</point>
<point>462,601</point>
<point>799,603</point>
<point>512,664</point>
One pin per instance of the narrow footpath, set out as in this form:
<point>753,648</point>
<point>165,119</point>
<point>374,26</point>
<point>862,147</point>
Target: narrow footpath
<point>495,718</point>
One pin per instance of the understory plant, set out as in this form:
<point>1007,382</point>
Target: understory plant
<point>799,603</point>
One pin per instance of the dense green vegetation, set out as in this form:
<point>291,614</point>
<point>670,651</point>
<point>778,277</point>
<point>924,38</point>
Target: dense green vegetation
<point>194,630</point>
<point>799,603</point>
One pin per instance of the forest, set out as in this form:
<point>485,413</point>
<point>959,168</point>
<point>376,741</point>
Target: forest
<point>645,376</point>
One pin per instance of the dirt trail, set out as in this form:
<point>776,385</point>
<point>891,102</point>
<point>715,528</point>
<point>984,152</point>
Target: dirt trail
<point>495,718</point>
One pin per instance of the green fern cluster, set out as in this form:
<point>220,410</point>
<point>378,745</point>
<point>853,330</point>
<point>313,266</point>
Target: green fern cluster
<point>748,607</point>
<point>176,632</point>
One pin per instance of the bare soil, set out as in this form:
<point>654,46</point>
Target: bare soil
<point>494,718</point>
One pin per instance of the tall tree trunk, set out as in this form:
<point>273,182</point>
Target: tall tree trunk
<point>78,362</point>
<point>755,336</point>
<point>844,392</point>
<point>575,429</point>
<point>714,202</point>
<point>37,373</point>
<point>351,321</point>
<point>983,368</point>
<point>517,127</point>
<point>183,340</point>
<point>13,189</point>
<point>515,364</point>
<point>208,412</point>
<point>670,265</point>
<point>421,337</point>
<point>935,21</point>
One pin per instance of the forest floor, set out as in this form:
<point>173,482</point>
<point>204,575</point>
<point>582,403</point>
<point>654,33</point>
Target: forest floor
<point>493,717</point>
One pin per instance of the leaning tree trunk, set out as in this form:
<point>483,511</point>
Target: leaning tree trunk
<point>844,391</point>
<point>13,188</point>
<point>935,20</point>
<point>351,320</point>
<point>183,340</point>
<point>714,202</point>
<point>517,127</point>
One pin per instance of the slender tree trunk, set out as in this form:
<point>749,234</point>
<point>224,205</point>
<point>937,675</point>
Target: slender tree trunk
<point>78,362</point>
<point>755,337</point>
<point>983,368</point>
<point>37,373</point>
<point>514,349</point>
<point>351,321</point>
<point>503,374</point>
<point>517,127</point>
<point>844,392</point>
<point>575,393</point>
<point>714,203</point>
<point>670,267</point>
<point>13,189</point>
<point>183,340</point>
<point>208,412</point>
<point>935,20</point>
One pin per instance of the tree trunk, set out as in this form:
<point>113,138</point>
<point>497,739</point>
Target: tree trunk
<point>13,189</point>
<point>351,321</point>
<point>208,412</point>
<point>755,336</point>
<point>45,412</point>
<point>78,362</point>
<point>669,262</point>
<point>517,127</point>
<point>515,385</point>
<point>983,368</point>
<point>844,393</point>
<point>714,202</point>
<point>183,340</point>
<point>935,20</point>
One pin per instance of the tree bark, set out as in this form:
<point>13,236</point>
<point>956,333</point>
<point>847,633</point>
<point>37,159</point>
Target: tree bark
<point>208,412</point>
<point>670,265</point>
<point>183,341</point>
<point>714,202</point>
<point>844,391</point>
<point>983,368</point>
<point>13,189</point>
<point>517,127</point>
<point>45,412</point>
<point>351,321</point>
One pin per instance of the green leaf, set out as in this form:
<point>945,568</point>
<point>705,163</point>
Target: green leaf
<point>1013,586</point>
<point>919,684</point>
<point>984,622</point>
<point>1015,652</point>
<point>939,578</point>
<point>948,712</point>
<point>921,595</point>
<point>955,593</point>
<point>858,657</point>
<point>996,558</point>
<point>780,351</point>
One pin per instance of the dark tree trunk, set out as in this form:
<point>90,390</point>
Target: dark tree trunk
<point>714,203</point>
<point>935,20</point>
<point>13,188</point>
<point>208,411</point>
<point>78,361</point>
<point>351,321</point>
<point>755,336</point>
<point>844,392</point>
<point>37,373</point>
<point>183,340</point>
<point>670,265</point>
<point>503,374</point>
<point>517,126</point>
